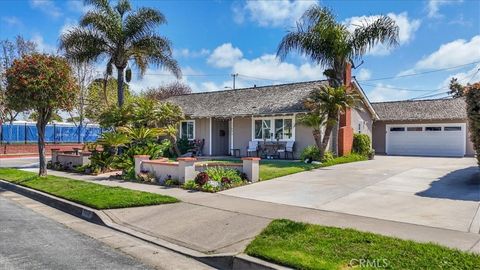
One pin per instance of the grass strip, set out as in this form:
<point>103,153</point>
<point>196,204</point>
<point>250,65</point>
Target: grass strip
<point>90,194</point>
<point>308,246</point>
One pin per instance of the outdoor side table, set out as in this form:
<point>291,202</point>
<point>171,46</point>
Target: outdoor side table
<point>235,152</point>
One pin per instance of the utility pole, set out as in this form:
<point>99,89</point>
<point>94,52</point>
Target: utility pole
<point>234,76</point>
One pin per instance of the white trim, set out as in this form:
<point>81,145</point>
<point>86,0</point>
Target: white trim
<point>210,138</point>
<point>423,125</point>
<point>272,127</point>
<point>231,134</point>
<point>186,121</point>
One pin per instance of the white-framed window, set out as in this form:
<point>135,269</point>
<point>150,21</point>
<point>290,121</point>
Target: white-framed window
<point>187,129</point>
<point>273,128</point>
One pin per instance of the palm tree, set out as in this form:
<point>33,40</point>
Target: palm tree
<point>325,104</point>
<point>121,35</point>
<point>331,44</point>
<point>313,120</point>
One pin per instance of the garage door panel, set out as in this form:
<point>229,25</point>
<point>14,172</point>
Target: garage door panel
<point>428,143</point>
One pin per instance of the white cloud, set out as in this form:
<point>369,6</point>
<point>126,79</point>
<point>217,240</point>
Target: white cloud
<point>42,46</point>
<point>187,53</point>
<point>384,92</point>
<point>47,7</point>
<point>12,21</point>
<point>272,13</point>
<point>225,55</point>
<point>364,74</point>
<point>68,24</point>
<point>78,6</point>
<point>269,67</point>
<point>153,78</point>
<point>454,53</point>
<point>407,28</point>
<point>469,76</point>
<point>433,7</point>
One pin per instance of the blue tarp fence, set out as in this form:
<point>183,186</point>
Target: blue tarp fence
<point>55,133</point>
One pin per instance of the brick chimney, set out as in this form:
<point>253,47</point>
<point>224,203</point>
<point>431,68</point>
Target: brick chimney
<point>345,131</point>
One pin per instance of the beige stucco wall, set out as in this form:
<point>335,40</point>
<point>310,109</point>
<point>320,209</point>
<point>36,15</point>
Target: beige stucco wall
<point>361,116</point>
<point>202,131</point>
<point>242,133</point>
<point>379,134</point>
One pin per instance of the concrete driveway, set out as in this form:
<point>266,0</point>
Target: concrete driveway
<point>436,192</point>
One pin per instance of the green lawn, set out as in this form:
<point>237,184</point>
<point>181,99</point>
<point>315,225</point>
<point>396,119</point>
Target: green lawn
<point>270,169</point>
<point>307,246</point>
<point>89,194</point>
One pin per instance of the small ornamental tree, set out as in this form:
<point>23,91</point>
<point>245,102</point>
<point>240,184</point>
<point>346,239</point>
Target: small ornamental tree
<point>44,84</point>
<point>472,97</point>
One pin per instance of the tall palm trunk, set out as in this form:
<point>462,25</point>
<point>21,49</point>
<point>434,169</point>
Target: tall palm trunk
<point>120,86</point>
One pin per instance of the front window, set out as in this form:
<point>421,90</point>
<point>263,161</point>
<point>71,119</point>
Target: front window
<point>187,130</point>
<point>263,129</point>
<point>273,129</point>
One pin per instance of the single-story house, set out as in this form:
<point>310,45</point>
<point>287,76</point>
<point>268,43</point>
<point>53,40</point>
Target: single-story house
<point>425,127</point>
<point>230,119</point>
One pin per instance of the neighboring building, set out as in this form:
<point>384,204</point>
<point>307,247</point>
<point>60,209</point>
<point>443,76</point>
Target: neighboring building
<point>230,119</point>
<point>424,127</point>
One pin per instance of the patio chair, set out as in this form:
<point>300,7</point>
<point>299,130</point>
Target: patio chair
<point>288,150</point>
<point>252,147</point>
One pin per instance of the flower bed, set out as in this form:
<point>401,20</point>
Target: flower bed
<point>214,179</point>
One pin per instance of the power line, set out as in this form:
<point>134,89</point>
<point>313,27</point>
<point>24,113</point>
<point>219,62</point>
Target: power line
<point>404,89</point>
<point>419,73</point>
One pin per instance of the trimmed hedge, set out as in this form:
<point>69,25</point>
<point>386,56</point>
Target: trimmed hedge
<point>472,98</point>
<point>361,144</point>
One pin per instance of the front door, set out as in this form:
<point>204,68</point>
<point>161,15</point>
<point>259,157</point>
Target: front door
<point>220,137</point>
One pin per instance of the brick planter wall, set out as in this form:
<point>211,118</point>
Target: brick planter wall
<point>32,149</point>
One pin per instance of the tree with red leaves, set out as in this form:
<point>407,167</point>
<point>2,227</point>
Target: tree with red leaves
<point>44,84</point>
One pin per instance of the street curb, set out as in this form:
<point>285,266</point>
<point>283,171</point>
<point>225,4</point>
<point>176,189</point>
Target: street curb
<point>220,261</point>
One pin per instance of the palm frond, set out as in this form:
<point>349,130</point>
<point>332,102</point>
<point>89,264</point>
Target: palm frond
<point>122,7</point>
<point>141,22</point>
<point>100,4</point>
<point>83,45</point>
<point>108,25</point>
<point>382,30</point>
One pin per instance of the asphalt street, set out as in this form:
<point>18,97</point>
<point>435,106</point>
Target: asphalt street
<point>31,241</point>
<point>28,162</point>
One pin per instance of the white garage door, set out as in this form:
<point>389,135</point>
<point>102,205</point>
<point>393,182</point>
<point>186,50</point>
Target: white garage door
<point>426,139</point>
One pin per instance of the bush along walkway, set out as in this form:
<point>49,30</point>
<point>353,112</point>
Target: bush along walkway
<point>89,194</point>
<point>307,246</point>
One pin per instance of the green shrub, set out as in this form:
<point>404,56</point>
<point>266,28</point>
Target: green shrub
<point>190,185</point>
<point>217,173</point>
<point>328,156</point>
<point>311,153</point>
<point>183,145</point>
<point>171,182</point>
<point>361,144</point>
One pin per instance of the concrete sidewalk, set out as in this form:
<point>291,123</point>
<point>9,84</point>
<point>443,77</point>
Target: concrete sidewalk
<point>218,223</point>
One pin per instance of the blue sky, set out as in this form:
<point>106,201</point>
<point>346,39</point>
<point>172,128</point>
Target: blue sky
<point>213,39</point>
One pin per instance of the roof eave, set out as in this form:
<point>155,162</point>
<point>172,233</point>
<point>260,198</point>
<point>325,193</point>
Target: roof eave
<point>366,101</point>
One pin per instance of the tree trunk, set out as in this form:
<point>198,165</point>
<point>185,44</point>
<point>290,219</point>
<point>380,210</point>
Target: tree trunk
<point>175,146</point>
<point>318,138</point>
<point>120,86</point>
<point>326,137</point>
<point>41,124</point>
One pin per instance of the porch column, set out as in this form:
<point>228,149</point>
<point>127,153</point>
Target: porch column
<point>210,137</point>
<point>231,136</point>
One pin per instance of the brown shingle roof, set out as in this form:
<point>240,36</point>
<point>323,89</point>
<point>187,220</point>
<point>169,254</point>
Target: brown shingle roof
<point>274,99</point>
<point>434,109</point>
